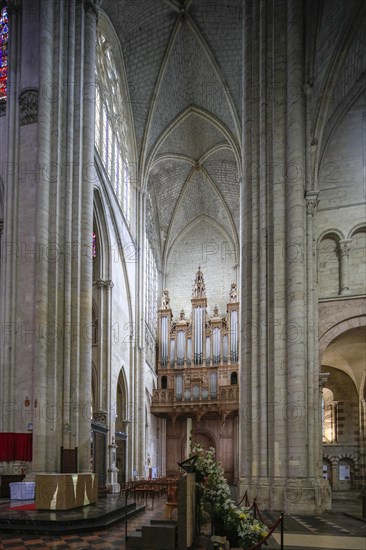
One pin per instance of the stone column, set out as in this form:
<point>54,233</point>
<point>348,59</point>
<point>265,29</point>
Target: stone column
<point>344,251</point>
<point>362,441</point>
<point>262,445</point>
<point>63,286</point>
<point>278,386</point>
<point>10,238</point>
<point>277,374</point>
<point>312,352</point>
<point>86,221</point>
<point>296,411</point>
<point>263,356</point>
<point>45,106</point>
<point>139,343</point>
<point>104,346</point>
<point>105,389</point>
<point>245,442</point>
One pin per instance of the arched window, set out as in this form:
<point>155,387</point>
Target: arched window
<point>164,383</point>
<point>94,245</point>
<point>4,36</point>
<point>121,404</point>
<point>151,287</point>
<point>111,125</point>
<point>96,250</point>
<point>234,378</point>
<point>329,414</point>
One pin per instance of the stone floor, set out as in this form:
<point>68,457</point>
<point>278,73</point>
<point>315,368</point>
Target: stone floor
<point>332,530</point>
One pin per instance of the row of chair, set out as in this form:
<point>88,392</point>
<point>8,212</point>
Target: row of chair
<point>142,490</point>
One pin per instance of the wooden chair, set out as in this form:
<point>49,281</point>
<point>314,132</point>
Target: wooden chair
<point>172,499</point>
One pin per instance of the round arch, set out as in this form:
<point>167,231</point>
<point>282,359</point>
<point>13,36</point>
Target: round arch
<point>203,437</point>
<point>331,233</point>
<point>333,330</point>
<point>361,227</point>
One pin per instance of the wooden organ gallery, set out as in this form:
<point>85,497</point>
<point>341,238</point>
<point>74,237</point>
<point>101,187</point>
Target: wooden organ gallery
<point>198,373</point>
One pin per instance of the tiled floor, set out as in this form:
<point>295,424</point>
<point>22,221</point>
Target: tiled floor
<point>333,531</point>
<point>113,537</point>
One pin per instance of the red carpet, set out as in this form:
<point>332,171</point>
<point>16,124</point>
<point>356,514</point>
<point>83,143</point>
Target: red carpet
<point>31,506</point>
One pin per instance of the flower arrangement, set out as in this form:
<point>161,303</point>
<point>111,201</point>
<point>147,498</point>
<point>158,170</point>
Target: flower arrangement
<point>238,523</point>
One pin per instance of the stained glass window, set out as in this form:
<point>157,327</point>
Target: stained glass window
<point>111,131</point>
<point>94,245</point>
<point>4,35</point>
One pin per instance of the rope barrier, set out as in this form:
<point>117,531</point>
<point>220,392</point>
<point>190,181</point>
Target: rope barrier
<point>246,500</point>
<point>260,515</point>
<point>256,510</point>
<point>269,534</point>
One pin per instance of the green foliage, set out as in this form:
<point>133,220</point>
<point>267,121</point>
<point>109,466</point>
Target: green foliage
<point>216,499</point>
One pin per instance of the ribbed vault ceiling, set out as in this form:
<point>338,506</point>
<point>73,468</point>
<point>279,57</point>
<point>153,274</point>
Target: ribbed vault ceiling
<point>183,67</point>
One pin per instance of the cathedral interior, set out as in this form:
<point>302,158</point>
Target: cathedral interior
<point>182,242</point>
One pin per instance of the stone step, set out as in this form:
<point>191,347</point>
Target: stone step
<point>134,540</point>
<point>160,536</point>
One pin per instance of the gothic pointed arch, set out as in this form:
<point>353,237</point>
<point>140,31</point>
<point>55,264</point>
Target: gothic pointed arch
<point>94,388</point>
<point>121,400</point>
<point>101,238</point>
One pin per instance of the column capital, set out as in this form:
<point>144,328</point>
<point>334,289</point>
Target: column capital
<point>312,201</point>
<point>323,379</point>
<point>345,247</point>
<point>105,284</point>
<point>92,6</point>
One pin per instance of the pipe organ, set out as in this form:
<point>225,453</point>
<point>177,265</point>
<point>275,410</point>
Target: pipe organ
<point>197,361</point>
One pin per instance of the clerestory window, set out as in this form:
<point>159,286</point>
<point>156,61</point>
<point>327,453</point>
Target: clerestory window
<point>111,130</point>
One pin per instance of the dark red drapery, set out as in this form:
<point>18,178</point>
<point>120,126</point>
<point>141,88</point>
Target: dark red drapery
<point>15,446</point>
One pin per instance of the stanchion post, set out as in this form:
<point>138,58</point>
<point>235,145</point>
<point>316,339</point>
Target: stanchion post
<point>281,530</point>
<point>126,491</point>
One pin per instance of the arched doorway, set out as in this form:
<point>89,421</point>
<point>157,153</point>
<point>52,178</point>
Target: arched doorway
<point>205,440</point>
<point>121,435</point>
<point>344,361</point>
